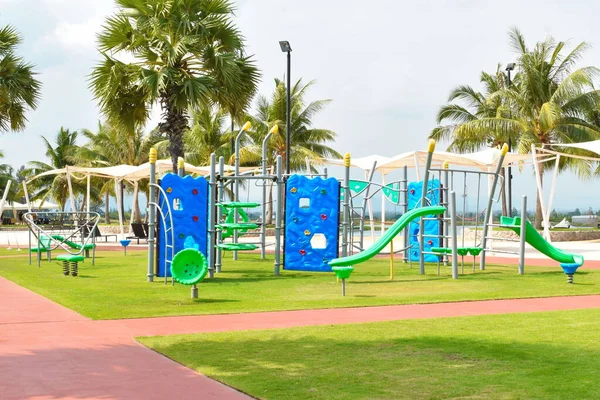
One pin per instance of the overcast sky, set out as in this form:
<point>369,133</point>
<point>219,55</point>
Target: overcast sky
<point>387,65</point>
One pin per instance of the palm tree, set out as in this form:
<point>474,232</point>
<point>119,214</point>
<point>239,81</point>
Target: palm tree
<point>112,145</point>
<point>19,90</point>
<point>61,155</point>
<point>467,105</point>
<point>305,140</point>
<point>207,135</point>
<point>188,54</point>
<point>551,104</point>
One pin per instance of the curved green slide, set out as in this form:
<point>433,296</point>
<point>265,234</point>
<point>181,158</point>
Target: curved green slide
<point>387,237</point>
<point>533,237</point>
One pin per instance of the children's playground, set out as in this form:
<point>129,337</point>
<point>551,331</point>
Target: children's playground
<point>258,284</point>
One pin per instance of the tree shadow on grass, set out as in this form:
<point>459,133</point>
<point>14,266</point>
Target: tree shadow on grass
<point>273,365</point>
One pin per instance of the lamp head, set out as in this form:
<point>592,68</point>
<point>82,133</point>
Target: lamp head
<point>285,46</point>
<point>510,66</point>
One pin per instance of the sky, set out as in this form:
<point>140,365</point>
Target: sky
<point>387,65</point>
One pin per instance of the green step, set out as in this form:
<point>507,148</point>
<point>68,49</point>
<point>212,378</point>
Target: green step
<point>234,226</point>
<point>441,250</point>
<point>69,258</point>
<point>237,246</point>
<point>474,251</point>
<point>237,204</point>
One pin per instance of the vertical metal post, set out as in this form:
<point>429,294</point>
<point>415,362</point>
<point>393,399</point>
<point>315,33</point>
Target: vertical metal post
<point>220,198</point>
<point>343,287</point>
<point>212,213</point>
<point>522,235</point>
<point>288,116</point>
<point>236,184</point>
<point>488,210</point>
<point>278,216</point>
<point>29,234</point>
<point>346,205</point>
<point>265,156</point>
<point>151,214</point>
<point>405,210</point>
<point>445,231</point>
<point>430,150</point>
<point>453,235</point>
<point>325,173</point>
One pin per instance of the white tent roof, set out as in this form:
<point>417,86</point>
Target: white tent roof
<point>593,146</point>
<point>412,159</point>
<point>134,173</point>
<point>35,205</point>
<point>365,163</point>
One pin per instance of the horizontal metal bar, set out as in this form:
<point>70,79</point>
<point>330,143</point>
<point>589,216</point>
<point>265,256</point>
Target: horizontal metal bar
<point>245,177</point>
<point>437,236</point>
<point>501,251</point>
<point>461,171</point>
<point>502,239</point>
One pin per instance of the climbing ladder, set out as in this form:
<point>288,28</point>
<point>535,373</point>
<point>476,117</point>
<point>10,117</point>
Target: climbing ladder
<point>231,227</point>
<point>166,219</point>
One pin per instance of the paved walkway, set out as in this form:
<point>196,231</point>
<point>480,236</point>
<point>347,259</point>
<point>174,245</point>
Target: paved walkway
<point>50,352</point>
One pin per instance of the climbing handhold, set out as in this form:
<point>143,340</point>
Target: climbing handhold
<point>293,190</point>
<point>169,190</point>
<point>303,252</point>
<point>307,232</point>
<point>295,219</point>
<point>323,217</point>
<point>323,191</point>
<point>181,236</point>
<point>195,218</point>
<point>412,191</point>
<point>430,242</point>
<point>195,191</point>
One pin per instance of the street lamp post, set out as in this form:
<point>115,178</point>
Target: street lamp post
<point>286,48</point>
<point>509,68</point>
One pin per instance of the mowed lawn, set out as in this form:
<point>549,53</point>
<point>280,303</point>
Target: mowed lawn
<point>550,355</point>
<point>116,286</point>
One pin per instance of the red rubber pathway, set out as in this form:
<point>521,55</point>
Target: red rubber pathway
<point>50,352</point>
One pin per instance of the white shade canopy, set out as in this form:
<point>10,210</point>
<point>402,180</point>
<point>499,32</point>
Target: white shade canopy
<point>133,173</point>
<point>593,146</point>
<point>34,205</point>
<point>481,159</point>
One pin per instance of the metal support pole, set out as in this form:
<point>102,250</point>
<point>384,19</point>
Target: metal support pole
<point>488,210</point>
<point>430,150</point>
<point>343,287</point>
<point>346,205</point>
<point>265,156</point>
<point>404,211</point>
<point>446,190</point>
<point>278,217</point>
<point>220,198</point>
<point>236,184</point>
<point>453,235</point>
<point>522,235</point>
<point>212,214</point>
<point>288,116</point>
<point>392,260</point>
<point>151,214</point>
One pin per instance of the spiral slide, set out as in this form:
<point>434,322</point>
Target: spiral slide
<point>387,237</point>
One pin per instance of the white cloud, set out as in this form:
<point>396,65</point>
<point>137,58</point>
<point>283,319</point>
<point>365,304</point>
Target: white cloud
<point>75,36</point>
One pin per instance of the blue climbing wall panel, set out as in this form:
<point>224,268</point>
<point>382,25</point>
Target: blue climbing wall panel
<point>312,209</point>
<point>188,198</point>
<point>415,190</point>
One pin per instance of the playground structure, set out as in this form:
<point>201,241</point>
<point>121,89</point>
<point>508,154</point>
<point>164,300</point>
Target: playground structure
<point>69,231</point>
<point>193,213</point>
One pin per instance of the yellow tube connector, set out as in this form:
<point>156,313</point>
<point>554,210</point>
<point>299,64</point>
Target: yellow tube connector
<point>347,159</point>
<point>247,126</point>
<point>274,129</point>
<point>446,165</point>
<point>504,149</point>
<point>180,163</point>
<point>431,146</point>
<point>153,155</point>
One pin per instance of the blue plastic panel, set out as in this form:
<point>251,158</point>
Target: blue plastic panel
<point>190,220</point>
<point>415,190</point>
<point>312,207</point>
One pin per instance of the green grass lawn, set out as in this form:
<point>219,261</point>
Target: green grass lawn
<point>116,286</point>
<point>551,355</point>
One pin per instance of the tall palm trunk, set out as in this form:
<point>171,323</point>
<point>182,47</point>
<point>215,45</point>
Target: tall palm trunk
<point>106,207</point>
<point>174,124</point>
<point>136,206</point>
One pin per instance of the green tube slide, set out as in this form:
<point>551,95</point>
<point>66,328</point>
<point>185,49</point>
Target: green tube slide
<point>387,237</point>
<point>533,237</point>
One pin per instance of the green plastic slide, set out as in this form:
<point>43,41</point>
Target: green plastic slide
<point>387,237</point>
<point>533,237</point>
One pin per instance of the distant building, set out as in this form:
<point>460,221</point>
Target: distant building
<point>584,220</point>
